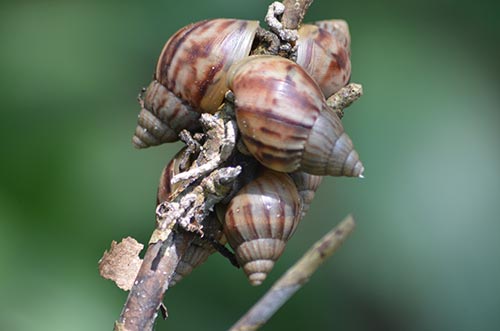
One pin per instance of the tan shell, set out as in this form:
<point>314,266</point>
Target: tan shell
<point>162,117</point>
<point>324,57</point>
<point>199,249</point>
<point>285,122</point>
<point>190,78</point>
<point>193,62</point>
<point>306,185</point>
<point>259,221</point>
<point>339,29</point>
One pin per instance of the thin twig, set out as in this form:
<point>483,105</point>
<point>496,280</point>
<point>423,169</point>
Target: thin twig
<point>295,10</point>
<point>344,97</point>
<point>295,277</point>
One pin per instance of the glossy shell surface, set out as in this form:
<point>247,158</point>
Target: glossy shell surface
<point>285,122</point>
<point>193,62</point>
<point>324,57</point>
<point>259,220</point>
<point>162,117</point>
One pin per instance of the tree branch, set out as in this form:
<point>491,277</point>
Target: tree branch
<point>295,277</point>
<point>177,218</point>
<point>161,259</point>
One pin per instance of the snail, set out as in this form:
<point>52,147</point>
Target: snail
<point>190,76</point>
<point>259,220</point>
<point>324,54</point>
<point>285,122</point>
<point>306,185</point>
<point>199,249</point>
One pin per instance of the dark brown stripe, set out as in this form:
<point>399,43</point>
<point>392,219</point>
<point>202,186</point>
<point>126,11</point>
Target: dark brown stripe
<point>271,132</point>
<point>249,220</point>
<point>173,45</point>
<point>270,153</point>
<point>268,113</point>
<point>341,57</point>
<point>267,220</point>
<point>232,231</point>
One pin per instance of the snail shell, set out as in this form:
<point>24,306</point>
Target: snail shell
<point>339,29</point>
<point>259,220</point>
<point>193,62</point>
<point>162,117</point>
<point>285,122</point>
<point>324,57</point>
<point>306,185</point>
<point>165,187</point>
<point>189,77</point>
<point>199,249</point>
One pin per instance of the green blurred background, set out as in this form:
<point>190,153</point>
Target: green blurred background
<point>425,255</point>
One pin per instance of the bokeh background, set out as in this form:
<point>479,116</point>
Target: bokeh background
<point>425,254</point>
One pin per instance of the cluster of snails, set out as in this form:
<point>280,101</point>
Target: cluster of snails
<point>283,118</point>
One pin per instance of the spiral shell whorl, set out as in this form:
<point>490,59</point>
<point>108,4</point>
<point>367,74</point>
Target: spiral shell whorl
<point>307,185</point>
<point>329,150</point>
<point>195,255</point>
<point>257,257</point>
<point>193,62</point>
<point>162,117</point>
<point>259,221</point>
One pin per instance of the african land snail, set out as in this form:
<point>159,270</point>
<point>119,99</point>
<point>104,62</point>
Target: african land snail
<point>259,221</point>
<point>189,76</point>
<point>285,122</point>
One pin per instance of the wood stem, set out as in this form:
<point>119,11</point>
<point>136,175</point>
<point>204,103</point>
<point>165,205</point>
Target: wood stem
<point>295,10</point>
<point>141,308</point>
<point>295,277</point>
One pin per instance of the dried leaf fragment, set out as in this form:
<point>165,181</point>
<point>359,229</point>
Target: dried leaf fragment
<point>121,264</point>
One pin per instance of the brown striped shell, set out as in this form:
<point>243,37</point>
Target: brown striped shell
<point>193,62</point>
<point>165,187</point>
<point>259,220</point>
<point>162,117</point>
<point>339,29</point>
<point>189,78</point>
<point>199,249</point>
<point>324,57</point>
<point>306,185</point>
<point>285,122</point>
